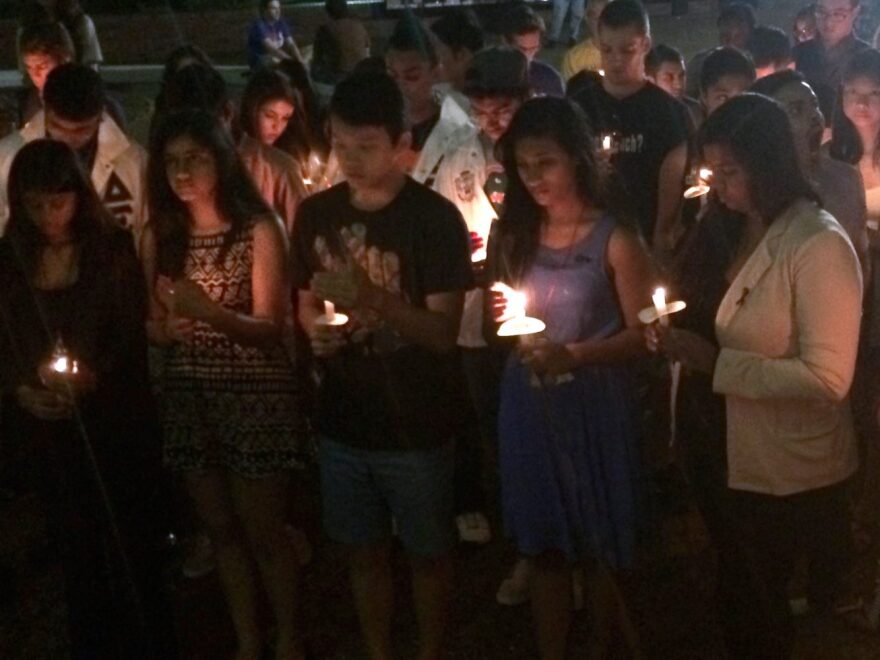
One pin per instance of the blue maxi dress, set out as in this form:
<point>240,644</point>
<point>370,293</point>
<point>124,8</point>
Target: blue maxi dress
<point>569,452</point>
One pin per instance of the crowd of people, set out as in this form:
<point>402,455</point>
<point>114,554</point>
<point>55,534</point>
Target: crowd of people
<point>335,271</point>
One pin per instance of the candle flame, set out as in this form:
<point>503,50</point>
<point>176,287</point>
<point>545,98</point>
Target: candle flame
<point>606,143</point>
<point>602,72</point>
<point>705,174</point>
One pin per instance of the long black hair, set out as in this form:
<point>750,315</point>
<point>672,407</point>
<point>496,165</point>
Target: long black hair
<point>237,199</point>
<point>846,144</point>
<point>518,230</point>
<point>268,85</point>
<point>757,132</point>
<point>50,166</point>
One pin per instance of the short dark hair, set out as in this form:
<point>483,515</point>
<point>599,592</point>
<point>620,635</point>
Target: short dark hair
<point>758,134</point>
<point>196,86</point>
<point>625,13</point>
<point>522,19</point>
<point>75,92</point>
<point>369,99</point>
<point>808,11</point>
<point>738,12</point>
<point>660,55</point>
<point>770,85</point>
<point>725,61</point>
<point>458,29</point>
<point>336,8</point>
<point>769,46</point>
<point>411,36</point>
<point>50,39</point>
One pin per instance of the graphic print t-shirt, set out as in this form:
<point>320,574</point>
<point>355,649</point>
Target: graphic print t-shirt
<point>381,391</point>
<point>646,126</point>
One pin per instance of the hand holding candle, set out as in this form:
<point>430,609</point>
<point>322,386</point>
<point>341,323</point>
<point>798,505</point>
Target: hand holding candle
<point>661,309</point>
<point>515,323</point>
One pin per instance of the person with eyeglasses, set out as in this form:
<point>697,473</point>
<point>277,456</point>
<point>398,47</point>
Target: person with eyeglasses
<point>824,58</point>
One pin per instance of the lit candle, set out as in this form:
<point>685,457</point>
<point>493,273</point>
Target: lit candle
<point>602,72</point>
<point>659,298</point>
<point>330,317</point>
<point>699,180</point>
<point>515,323</point>
<point>606,142</point>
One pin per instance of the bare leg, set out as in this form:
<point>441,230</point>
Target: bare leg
<point>551,604</point>
<point>432,591</point>
<point>373,589</point>
<point>610,614</point>
<point>261,507</point>
<point>210,492</point>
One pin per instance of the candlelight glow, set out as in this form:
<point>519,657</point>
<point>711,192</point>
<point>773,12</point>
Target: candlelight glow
<point>516,301</point>
<point>63,365</point>
<point>606,143</point>
<point>659,299</point>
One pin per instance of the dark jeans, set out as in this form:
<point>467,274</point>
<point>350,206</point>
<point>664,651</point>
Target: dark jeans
<point>115,599</point>
<point>476,446</point>
<point>771,534</point>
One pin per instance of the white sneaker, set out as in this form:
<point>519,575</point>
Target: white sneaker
<point>514,590</point>
<point>199,560</point>
<point>473,528</point>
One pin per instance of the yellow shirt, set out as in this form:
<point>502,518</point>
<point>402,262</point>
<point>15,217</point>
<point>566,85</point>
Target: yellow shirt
<point>581,57</point>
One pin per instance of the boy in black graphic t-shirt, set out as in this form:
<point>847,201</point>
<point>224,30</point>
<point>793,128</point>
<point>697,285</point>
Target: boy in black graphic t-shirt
<point>644,128</point>
<point>393,256</point>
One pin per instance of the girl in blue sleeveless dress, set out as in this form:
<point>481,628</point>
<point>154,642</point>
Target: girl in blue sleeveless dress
<point>567,423</point>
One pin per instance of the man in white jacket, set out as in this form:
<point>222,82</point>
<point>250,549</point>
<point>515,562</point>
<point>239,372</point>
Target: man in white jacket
<point>75,113</point>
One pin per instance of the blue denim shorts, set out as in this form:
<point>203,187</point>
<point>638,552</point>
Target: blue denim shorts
<point>363,489</point>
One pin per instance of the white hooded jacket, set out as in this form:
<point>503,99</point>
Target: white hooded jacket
<point>119,172</point>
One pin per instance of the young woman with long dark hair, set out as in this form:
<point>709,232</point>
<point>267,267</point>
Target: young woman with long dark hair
<point>73,290</point>
<point>217,267</point>
<point>272,112</point>
<point>786,334</point>
<point>567,423</point>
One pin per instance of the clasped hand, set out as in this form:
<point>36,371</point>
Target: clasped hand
<point>185,302</point>
<point>350,288</point>
<point>546,358</point>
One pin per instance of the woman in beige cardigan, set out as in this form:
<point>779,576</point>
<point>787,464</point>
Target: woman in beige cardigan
<point>787,332</point>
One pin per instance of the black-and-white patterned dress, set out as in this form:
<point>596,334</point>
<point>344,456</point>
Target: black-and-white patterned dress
<point>224,404</point>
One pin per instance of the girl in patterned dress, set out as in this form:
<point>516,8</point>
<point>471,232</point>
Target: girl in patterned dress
<point>216,260</point>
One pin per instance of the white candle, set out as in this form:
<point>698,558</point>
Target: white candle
<point>329,310</point>
<point>659,298</point>
<point>606,143</point>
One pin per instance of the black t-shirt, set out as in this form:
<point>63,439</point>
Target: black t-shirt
<point>646,125</point>
<point>381,392</point>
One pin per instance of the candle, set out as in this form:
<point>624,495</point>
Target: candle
<point>515,323</point>
<point>699,179</point>
<point>659,298</point>
<point>606,142</point>
<point>330,317</point>
<point>602,72</point>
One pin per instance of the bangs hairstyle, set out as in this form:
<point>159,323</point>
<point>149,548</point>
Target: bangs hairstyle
<point>237,199</point>
<point>50,39</point>
<point>265,86</point>
<point>846,145</point>
<point>50,167</point>
<point>757,132</point>
<point>563,122</point>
